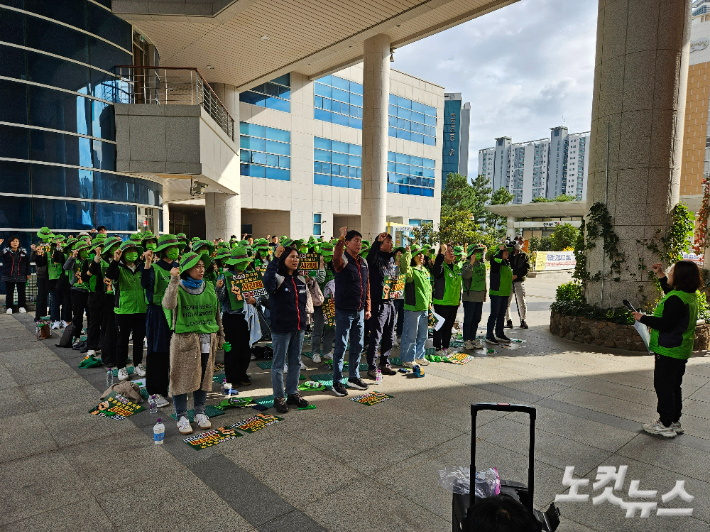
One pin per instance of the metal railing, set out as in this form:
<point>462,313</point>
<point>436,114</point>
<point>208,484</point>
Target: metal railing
<point>170,86</point>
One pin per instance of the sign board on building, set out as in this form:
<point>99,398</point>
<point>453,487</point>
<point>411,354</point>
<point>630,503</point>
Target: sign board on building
<point>554,260</point>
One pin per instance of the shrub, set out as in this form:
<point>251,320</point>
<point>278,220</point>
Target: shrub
<point>620,315</point>
<point>571,291</point>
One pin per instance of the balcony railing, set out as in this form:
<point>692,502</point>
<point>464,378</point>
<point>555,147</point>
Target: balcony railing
<point>170,86</point>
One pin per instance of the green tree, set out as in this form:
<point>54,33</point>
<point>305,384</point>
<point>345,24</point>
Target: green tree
<point>561,197</point>
<point>564,236</point>
<point>496,222</point>
<point>424,235</point>
<point>461,195</point>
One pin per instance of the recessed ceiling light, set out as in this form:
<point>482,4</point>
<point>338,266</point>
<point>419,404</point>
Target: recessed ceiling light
<point>210,67</point>
<point>264,37</point>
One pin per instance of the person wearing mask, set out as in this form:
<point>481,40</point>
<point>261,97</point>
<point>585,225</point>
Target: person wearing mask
<point>520,264</point>
<point>399,302</point>
<point>74,266</point>
<point>288,298</point>
<point>39,256</point>
<point>234,321</point>
<point>150,241</point>
<point>195,340</point>
<point>15,274</point>
<point>672,335</point>
<point>501,280</point>
<point>380,263</point>
<point>95,297</point>
<point>322,337</point>
<point>417,302</point>
<point>54,271</point>
<point>352,308</point>
<point>473,276</point>
<point>63,288</point>
<point>104,318</point>
<point>129,306</point>
<point>206,248</point>
<point>155,279</point>
<point>446,295</point>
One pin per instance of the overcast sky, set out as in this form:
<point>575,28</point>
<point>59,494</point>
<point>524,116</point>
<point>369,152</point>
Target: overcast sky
<point>523,68</point>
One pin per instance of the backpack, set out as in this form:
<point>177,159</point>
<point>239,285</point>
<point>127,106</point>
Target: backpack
<point>67,335</point>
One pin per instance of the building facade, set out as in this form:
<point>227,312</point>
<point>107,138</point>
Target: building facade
<point>538,168</point>
<point>457,118</point>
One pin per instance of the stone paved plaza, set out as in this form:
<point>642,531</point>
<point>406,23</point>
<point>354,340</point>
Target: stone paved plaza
<point>343,466</point>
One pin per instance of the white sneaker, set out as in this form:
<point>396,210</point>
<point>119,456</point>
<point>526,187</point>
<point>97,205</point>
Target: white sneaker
<point>328,356</point>
<point>203,421</point>
<point>22,310</point>
<point>9,311</point>
<point>477,344</point>
<point>64,324</point>
<point>316,359</point>
<point>139,370</point>
<point>409,365</point>
<point>160,401</point>
<point>677,428</point>
<point>422,362</point>
<point>56,325</point>
<point>184,425</point>
<point>122,374</point>
<point>469,345</point>
<point>90,353</point>
<point>303,366</point>
<point>659,429</point>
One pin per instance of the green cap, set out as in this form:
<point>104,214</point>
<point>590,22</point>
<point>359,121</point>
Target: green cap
<point>45,234</point>
<point>238,255</point>
<point>189,260</point>
<point>473,248</point>
<point>167,240</point>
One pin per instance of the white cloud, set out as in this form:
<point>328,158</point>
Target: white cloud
<point>523,68</point>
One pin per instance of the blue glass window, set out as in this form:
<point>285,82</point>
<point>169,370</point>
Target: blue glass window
<point>65,214</point>
<point>342,98</point>
<point>17,94</point>
<point>14,142</point>
<point>345,170</point>
<point>276,94</point>
<point>16,213</point>
<point>116,217</point>
<point>403,171</point>
<point>14,177</point>
<point>50,37</point>
<point>410,120</point>
<point>266,152</point>
<point>114,187</point>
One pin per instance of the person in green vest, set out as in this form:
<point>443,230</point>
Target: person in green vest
<point>197,334</point>
<point>182,237</point>
<point>95,283</point>
<point>150,241</point>
<point>473,276</point>
<point>40,255</point>
<point>672,335</point>
<point>234,322</point>
<point>154,281</point>
<point>129,305</point>
<point>102,310</point>
<point>205,248</point>
<point>417,302</point>
<point>501,283</point>
<point>62,287</point>
<point>323,337</point>
<point>79,288</point>
<point>446,296</point>
<point>54,271</point>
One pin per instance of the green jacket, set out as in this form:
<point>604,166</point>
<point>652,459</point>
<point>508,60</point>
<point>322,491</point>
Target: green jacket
<point>474,281</point>
<point>501,276</point>
<point>447,282</point>
<point>129,297</point>
<point>417,286</point>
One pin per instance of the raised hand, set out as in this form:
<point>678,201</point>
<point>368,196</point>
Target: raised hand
<point>175,272</point>
<point>343,231</point>
<point>381,237</point>
<point>278,251</point>
<point>117,254</point>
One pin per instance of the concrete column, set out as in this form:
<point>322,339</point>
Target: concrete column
<point>376,88</point>
<point>223,215</point>
<point>510,228</point>
<point>640,78</point>
<point>166,219</point>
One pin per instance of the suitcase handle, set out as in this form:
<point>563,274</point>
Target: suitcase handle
<point>504,407</point>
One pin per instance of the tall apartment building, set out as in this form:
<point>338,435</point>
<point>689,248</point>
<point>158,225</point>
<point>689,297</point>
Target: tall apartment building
<point>457,121</point>
<point>538,168</point>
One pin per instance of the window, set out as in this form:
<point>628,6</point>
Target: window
<point>407,174</point>
<point>317,224</point>
<point>412,120</point>
<point>276,94</point>
<point>337,164</point>
<point>339,101</point>
<point>265,152</point>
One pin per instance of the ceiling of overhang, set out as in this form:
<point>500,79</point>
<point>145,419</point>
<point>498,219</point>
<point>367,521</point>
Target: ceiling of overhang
<point>313,37</point>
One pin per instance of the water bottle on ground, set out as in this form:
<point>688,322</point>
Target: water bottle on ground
<point>152,403</point>
<point>109,377</point>
<point>226,388</point>
<point>158,432</point>
<point>378,376</point>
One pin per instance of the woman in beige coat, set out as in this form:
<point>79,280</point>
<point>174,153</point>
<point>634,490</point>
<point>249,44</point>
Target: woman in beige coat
<point>197,325</point>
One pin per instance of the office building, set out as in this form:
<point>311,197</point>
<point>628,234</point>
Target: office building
<point>538,168</point>
<point>457,118</point>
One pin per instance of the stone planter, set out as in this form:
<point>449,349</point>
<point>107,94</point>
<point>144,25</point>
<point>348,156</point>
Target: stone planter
<point>606,334</point>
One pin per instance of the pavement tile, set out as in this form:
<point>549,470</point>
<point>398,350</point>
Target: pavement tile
<point>17,343</point>
<point>294,521</point>
<point>34,355</point>
<point>24,435</point>
<point>69,391</point>
<point>6,380</point>
<point>13,402</point>
<point>41,372</point>
<point>86,515</point>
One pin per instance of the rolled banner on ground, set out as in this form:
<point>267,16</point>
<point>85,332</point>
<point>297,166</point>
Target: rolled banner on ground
<point>439,321</point>
<point>643,333</point>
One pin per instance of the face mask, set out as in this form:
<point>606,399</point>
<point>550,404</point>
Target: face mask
<point>327,259</point>
<point>151,246</point>
<point>241,266</point>
<point>204,252</point>
<point>83,254</point>
<point>131,256</point>
<point>172,253</point>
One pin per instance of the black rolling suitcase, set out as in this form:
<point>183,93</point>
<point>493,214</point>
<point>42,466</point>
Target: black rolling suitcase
<point>549,520</point>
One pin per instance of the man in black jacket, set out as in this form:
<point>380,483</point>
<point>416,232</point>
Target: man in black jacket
<point>383,319</point>
<point>520,263</point>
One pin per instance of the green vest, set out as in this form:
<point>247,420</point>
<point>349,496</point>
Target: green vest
<point>478,277</point>
<point>234,302</point>
<point>506,281</point>
<point>92,279</point>
<point>196,313</point>
<point>685,349</point>
<point>131,297</point>
<point>452,286</point>
<point>54,271</point>
<point>160,284</point>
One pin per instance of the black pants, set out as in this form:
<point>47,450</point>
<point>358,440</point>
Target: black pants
<point>382,323</point>
<point>95,304</point>
<point>236,361</point>
<point>67,303</point>
<point>42,293</point>
<point>667,378</point>
<point>442,337</point>
<point>10,294</point>
<point>108,331</point>
<point>125,324</point>
<point>79,300</point>
<point>157,377</point>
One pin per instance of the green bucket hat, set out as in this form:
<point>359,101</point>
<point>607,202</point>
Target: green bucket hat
<point>416,250</point>
<point>148,235</point>
<point>458,251</point>
<point>45,234</point>
<point>326,249</point>
<point>137,240</point>
<point>222,254</point>
<point>189,260</point>
<point>59,238</point>
<point>197,244</point>
<point>286,242</point>
<point>81,245</point>
<point>96,242</point>
<point>70,243</point>
<point>108,245</point>
<point>130,244</point>
<point>167,240</point>
<point>182,236</point>
<point>85,238</point>
<point>238,255</point>
<point>195,238</point>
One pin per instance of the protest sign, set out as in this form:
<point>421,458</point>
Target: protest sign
<point>116,406</point>
<point>308,264</point>
<point>392,287</point>
<point>212,437</point>
<point>247,284</point>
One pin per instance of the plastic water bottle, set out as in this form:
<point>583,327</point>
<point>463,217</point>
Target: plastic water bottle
<point>226,388</point>
<point>153,405</point>
<point>109,377</point>
<point>158,432</point>
<point>378,376</point>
